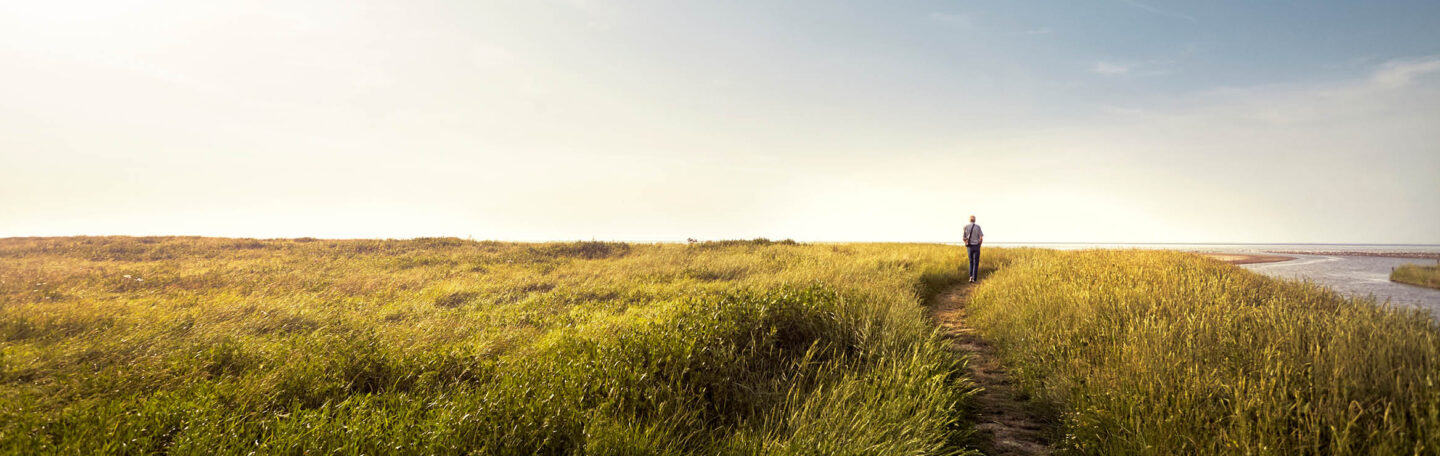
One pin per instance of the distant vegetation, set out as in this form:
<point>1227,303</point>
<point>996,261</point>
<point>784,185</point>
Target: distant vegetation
<point>1414,274</point>
<point>1170,353</point>
<point>445,346</point>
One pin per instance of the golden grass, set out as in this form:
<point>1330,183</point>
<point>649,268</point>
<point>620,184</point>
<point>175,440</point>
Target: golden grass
<point>1170,353</point>
<point>1414,274</point>
<point>443,346</point>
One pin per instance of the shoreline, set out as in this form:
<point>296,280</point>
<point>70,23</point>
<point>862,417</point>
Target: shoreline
<point>1246,258</point>
<point>1411,255</point>
<point>1276,256</point>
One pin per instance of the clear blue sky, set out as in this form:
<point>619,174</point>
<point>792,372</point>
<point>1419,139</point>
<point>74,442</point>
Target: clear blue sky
<point>1118,121</point>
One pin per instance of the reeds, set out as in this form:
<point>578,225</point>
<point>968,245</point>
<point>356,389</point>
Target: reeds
<point>1414,274</point>
<point>444,346</point>
<point>1170,353</point>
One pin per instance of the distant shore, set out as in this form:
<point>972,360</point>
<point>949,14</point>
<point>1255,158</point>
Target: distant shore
<point>1275,256</point>
<point>1420,255</point>
<point>1247,258</point>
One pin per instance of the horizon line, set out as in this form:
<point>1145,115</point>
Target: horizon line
<point>681,241</point>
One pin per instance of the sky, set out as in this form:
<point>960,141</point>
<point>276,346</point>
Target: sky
<point>1051,121</point>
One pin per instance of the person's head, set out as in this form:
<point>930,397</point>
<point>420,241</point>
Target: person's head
<point>972,219</point>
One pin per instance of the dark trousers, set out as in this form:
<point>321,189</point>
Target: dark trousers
<point>974,260</point>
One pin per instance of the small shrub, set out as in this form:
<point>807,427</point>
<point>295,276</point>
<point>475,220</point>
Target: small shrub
<point>757,242</point>
<point>588,250</point>
<point>224,358</point>
<point>456,299</point>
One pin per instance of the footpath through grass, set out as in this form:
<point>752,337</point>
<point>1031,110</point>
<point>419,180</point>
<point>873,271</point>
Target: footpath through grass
<point>443,346</point>
<point>1414,274</point>
<point>1170,353</point>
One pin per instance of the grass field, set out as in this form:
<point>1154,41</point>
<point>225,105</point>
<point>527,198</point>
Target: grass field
<point>1425,276</point>
<point>442,346</point>
<point>1171,353</point>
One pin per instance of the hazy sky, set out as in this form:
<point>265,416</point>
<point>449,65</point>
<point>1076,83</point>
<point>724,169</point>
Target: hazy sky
<point>1119,121</point>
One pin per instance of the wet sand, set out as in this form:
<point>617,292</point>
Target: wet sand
<point>1247,258</point>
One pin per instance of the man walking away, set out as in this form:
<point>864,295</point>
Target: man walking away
<point>973,237</point>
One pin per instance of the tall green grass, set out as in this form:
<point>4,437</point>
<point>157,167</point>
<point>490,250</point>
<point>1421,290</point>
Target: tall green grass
<point>1414,274</point>
<point>1170,353</point>
<point>444,346</point>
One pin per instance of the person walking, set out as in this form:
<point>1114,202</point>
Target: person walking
<point>973,237</point>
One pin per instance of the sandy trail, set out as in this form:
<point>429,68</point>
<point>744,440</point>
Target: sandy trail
<point>1007,425</point>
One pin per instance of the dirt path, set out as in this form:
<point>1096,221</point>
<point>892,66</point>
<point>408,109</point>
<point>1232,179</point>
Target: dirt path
<point>1006,424</point>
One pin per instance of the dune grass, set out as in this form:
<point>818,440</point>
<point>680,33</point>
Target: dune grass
<point>443,346</point>
<point>1414,274</point>
<point>1170,353</point>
